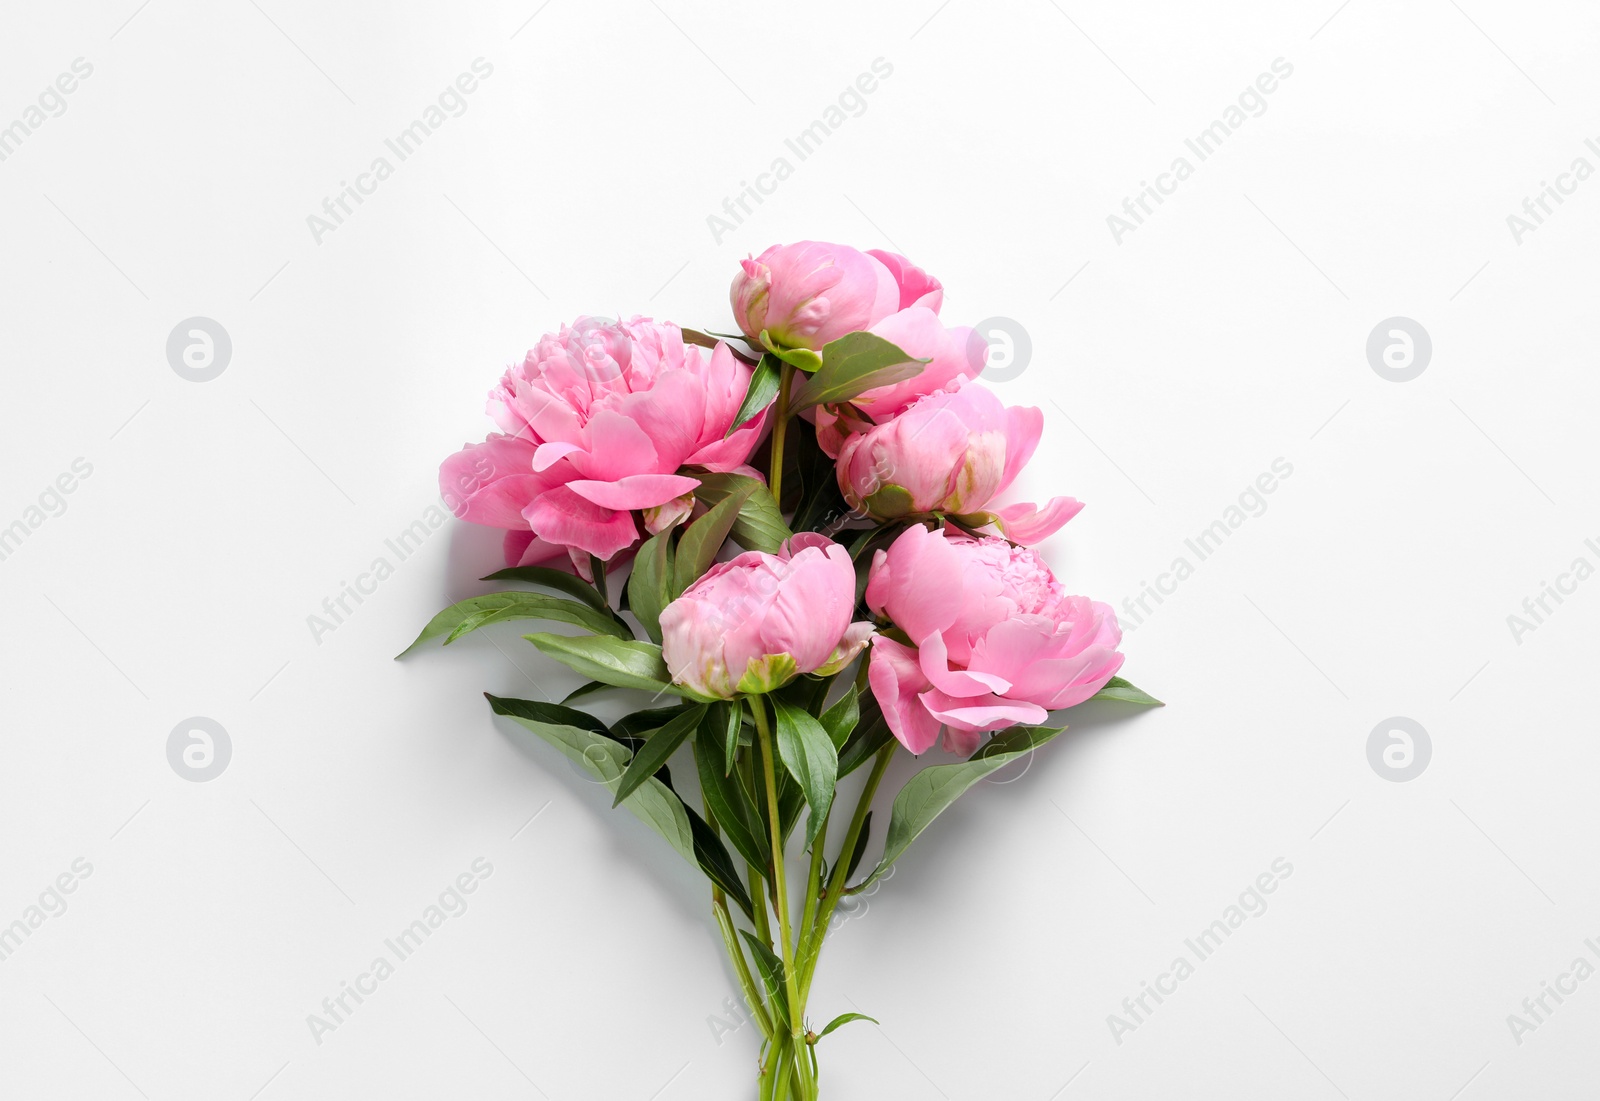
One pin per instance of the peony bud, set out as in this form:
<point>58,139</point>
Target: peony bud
<point>753,624</point>
<point>809,293</point>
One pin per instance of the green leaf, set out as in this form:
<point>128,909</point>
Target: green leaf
<point>649,586</point>
<point>587,689</point>
<point>1118,689</point>
<point>659,745</point>
<point>554,579</point>
<point>810,757</point>
<point>712,856</point>
<point>553,714</point>
<point>851,366</point>
<point>624,664</point>
<point>840,719</point>
<point>770,967</point>
<point>870,735</point>
<point>698,546</point>
<point>727,799</point>
<point>654,804</point>
<point>539,606</point>
<point>642,723</point>
<point>928,793</point>
<point>731,723</point>
<point>763,389</point>
<point>844,1019</point>
<point>475,612</point>
<point>760,525</point>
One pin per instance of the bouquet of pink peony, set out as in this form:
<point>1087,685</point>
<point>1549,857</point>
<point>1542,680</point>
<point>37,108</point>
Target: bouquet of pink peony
<point>870,594</point>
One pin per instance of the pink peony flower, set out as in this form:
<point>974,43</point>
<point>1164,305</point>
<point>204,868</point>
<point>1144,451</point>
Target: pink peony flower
<point>754,623</point>
<point>599,421</point>
<point>951,452</point>
<point>995,639</point>
<point>810,293</point>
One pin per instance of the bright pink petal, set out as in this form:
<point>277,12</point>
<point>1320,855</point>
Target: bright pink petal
<point>636,491</point>
<point>549,454</point>
<point>984,713</point>
<point>923,589</point>
<point>615,447</point>
<point>561,516</point>
<point>917,287</point>
<point>896,681</point>
<point>1024,426</point>
<point>491,482</point>
<point>670,414</point>
<point>935,663</point>
<point>1027,523</point>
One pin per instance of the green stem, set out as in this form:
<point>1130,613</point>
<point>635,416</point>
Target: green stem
<point>730,940</point>
<point>758,712</point>
<point>784,1054</point>
<point>836,885</point>
<point>780,426</point>
<point>813,882</point>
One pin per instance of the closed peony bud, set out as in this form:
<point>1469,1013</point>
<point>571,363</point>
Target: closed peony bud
<point>754,623</point>
<point>809,293</point>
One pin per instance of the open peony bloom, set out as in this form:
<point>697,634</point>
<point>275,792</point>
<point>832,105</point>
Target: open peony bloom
<point>809,293</point>
<point>756,622</point>
<point>597,423</point>
<point>950,452</point>
<point>995,639</point>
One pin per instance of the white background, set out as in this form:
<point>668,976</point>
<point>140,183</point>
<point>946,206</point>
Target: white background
<point>1173,367</point>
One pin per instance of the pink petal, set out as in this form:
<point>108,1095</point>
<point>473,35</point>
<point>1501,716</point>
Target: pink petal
<point>917,287</point>
<point>635,491</point>
<point>549,454</point>
<point>1027,523</point>
<point>1024,426</point>
<point>615,446</point>
<point>895,679</point>
<point>935,663</point>
<point>561,516</point>
<point>491,482</point>
<point>987,713</point>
